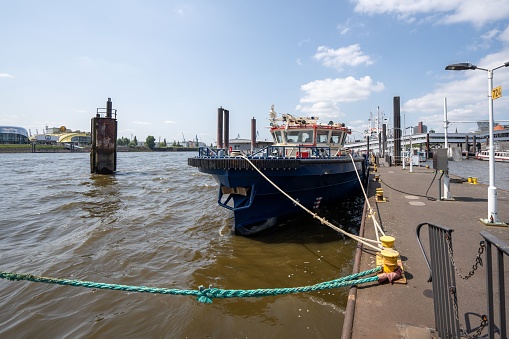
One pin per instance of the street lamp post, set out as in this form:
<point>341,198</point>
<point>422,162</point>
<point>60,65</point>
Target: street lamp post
<point>447,180</point>
<point>404,146</point>
<point>411,152</point>
<point>492,190</point>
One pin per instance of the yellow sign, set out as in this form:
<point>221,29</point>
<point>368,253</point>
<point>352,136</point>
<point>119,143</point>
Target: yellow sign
<point>497,92</point>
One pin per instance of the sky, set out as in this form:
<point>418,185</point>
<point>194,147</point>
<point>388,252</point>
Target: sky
<point>168,65</point>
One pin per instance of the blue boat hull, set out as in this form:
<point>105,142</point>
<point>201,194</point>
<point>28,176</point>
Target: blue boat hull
<point>259,204</point>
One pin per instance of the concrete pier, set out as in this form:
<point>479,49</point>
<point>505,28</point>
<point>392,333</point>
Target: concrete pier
<point>405,310</point>
<point>103,154</point>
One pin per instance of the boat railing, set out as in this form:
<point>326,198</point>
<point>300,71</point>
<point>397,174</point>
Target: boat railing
<point>298,152</point>
<point>205,151</point>
<point>276,152</point>
<point>259,153</point>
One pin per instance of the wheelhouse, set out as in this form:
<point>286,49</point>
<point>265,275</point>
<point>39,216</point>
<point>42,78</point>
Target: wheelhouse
<point>305,137</point>
<point>318,135</point>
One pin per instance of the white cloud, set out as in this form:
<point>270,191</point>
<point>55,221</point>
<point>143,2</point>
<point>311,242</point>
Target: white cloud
<point>141,123</point>
<point>405,7</point>
<point>344,28</point>
<point>322,97</point>
<point>504,36</point>
<point>298,62</point>
<point>466,94</point>
<point>490,34</point>
<point>479,12</point>
<point>451,11</point>
<point>337,58</point>
<point>485,40</point>
<point>169,122</point>
<point>355,26</point>
<point>5,75</point>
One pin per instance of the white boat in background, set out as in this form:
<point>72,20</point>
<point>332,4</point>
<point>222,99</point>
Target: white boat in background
<point>422,156</point>
<point>499,155</point>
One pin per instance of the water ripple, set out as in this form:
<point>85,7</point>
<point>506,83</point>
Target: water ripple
<point>155,223</point>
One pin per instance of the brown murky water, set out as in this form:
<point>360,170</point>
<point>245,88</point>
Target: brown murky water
<point>156,223</point>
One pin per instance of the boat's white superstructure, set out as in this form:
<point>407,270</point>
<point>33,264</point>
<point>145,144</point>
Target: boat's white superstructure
<point>502,156</point>
<point>300,135</point>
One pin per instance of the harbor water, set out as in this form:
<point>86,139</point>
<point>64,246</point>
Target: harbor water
<point>480,170</point>
<point>156,223</point>
<point>476,168</point>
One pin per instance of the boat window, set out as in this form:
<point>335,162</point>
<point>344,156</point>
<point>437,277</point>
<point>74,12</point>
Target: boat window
<point>306,136</point>
<point>278,137</point>
<point>292,136</point>
<point>344,138</point>
<point>322,136</point>
<point>336,137</point>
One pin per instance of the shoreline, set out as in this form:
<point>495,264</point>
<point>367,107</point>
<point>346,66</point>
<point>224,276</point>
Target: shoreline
<point>87,150</point>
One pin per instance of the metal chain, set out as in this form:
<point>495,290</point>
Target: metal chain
<point>452,290</point>
<point>478,259</point>
<point>484,318</point>
<point>484,322</point>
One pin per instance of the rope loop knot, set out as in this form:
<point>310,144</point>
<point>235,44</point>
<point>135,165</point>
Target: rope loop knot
<point>205,295</point>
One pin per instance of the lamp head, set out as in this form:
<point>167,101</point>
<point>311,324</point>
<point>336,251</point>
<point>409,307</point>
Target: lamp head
<point>461,66</point>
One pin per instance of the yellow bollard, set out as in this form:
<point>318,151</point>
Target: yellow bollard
<point>474,181</point>
<point>380,195</point>
<point>387,241</point>
<point>390,260</point>
<point>375,167</point>
<point>469,180</point>
<point>377,177</point>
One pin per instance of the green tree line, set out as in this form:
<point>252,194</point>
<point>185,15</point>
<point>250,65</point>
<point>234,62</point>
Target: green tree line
<point>150,142</point>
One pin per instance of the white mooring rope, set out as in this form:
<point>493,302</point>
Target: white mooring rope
<point>370,210</point>
<point>322,220</point>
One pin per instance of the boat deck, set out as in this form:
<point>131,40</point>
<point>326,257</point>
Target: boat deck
<point>264,163</point>
<point>406,310</point>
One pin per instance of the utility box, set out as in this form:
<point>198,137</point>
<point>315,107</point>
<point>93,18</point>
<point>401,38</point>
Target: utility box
<point>440,159</point>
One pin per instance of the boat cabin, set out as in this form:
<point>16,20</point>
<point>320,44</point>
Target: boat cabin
<point>302,135</point>
<point>298,135</point>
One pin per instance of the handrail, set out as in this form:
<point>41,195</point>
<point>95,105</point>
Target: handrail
<point>499,244</point>
<point>502,248</point>
<point>426,258</point>
<point>442,278</point>
<point>280,151</point>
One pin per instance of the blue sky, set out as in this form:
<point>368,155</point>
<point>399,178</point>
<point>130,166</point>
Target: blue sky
<point>168,65</point>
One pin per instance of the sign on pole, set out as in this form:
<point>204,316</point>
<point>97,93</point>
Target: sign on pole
<point>497,92</point>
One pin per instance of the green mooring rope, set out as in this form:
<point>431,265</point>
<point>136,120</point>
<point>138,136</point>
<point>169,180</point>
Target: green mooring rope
<point>204,295</point>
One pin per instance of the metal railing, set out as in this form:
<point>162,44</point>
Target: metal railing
<point>442,275</point>
<point>443,279</point>
<point>297,152</point>
<point>502,249</point>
